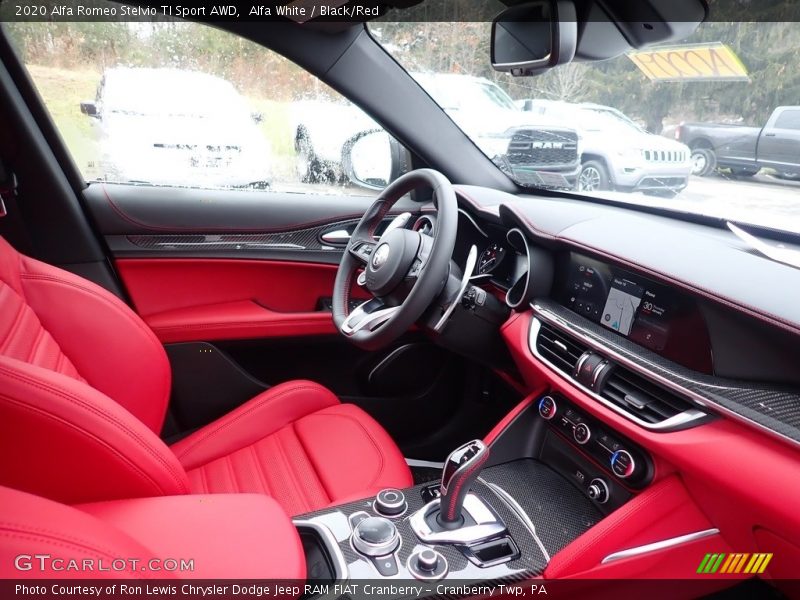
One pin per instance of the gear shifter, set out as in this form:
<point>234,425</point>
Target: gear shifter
<point>460,471</point>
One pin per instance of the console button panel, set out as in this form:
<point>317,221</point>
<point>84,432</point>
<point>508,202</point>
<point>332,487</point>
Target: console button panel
<point>621,458</point>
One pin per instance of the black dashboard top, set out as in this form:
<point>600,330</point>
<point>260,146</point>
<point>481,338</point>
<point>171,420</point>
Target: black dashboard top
<point>709,262</point>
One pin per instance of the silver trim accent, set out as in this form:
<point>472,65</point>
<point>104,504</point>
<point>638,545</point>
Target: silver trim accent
<point>338,236</point>
<point>380,549</point>
<point>429,464</point>
<point>420,574</point>
<point>527,275</point>
<point>678,420</point>
<point>518,510</point>
<point>588,433</point>
<point>397,223</point>
<point>340,572</point>
<point>487,525</point>
<point>472,260</point>
<point>555,407</point>
<point>595,481</point>
<point>360,319</point>
<point>629,471</point>
<point>660,545</point>
<point>472,221</point>
<point>400,502</point>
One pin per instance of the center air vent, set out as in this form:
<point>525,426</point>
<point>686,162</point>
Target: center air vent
<point>646,400</point>
<point>560,349</point>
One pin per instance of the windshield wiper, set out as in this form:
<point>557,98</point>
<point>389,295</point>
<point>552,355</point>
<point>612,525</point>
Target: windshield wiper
<point>787,256</point>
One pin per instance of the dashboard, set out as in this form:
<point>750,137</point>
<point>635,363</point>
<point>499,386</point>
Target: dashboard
<point>664,326</point>
<point>650,314</point>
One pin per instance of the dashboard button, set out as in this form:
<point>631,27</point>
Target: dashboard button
<point>622,464</point>
<point>582,433</point>
<point>386,565</point>
<point>547,408</point>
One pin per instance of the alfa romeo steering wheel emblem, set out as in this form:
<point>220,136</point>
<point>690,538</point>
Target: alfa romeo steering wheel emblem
<point>381,256</point>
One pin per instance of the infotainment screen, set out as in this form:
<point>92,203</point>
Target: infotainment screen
<point>647,312</point>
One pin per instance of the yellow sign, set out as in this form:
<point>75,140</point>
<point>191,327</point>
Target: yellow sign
<point>691,62</point>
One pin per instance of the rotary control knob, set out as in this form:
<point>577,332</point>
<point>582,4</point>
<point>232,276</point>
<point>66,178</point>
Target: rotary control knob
<point>390,502</point>
<point>622,464</point>
<point>547,408</point>
<point>598,491</point>
<point>427,565</point>
<point>375,536</point>
<point>427,561</point>
<point>581,433</point>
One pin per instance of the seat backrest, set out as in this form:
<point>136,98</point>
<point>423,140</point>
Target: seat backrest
<point>84,386</point>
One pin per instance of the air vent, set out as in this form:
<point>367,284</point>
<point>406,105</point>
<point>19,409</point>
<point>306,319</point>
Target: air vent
<point>638,396</point>
<point>560,349</point>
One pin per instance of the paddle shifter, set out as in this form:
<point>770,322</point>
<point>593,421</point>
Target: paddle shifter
<point>460,471</point>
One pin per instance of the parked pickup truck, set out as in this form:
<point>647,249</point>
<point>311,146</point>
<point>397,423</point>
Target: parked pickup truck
<point>528,146</point>
<point>746,150</point>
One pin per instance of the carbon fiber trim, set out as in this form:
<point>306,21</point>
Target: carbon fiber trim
<point>558,511</point>
<point>775,410</point>
<point>300,240</point>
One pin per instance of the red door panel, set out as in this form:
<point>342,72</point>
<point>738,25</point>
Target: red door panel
<point>190,299</point>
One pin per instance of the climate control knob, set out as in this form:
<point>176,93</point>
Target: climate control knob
<point>622,464</point>
<point>547,408</point>
<point>581,433</point>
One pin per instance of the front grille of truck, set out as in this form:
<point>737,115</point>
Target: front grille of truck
<point>541,148</point>
<point>665,156</point>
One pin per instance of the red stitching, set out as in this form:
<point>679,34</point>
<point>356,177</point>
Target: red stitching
<point>451,505</point>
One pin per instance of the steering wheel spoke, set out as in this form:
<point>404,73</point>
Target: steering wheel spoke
<point>361,250</point>
<point>367,316</point>
<point>421,257</point>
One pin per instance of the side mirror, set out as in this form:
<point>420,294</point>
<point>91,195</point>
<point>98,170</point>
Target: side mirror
<point>531,38</point>
<point>89,108</point>
<point>257,116</point>
<point>373,159</point>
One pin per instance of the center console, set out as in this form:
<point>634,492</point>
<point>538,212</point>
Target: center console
<point>497,515</point>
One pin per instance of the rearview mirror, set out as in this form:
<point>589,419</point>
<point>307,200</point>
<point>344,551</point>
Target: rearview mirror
<point>89,108</point>
<point>534,37</point>
<point>373,159</point>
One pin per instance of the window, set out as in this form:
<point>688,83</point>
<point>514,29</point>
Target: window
<point>788,119</point>
<point>185,104</point>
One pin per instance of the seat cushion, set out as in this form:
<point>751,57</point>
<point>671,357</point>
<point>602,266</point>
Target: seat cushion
<point>297,443</point>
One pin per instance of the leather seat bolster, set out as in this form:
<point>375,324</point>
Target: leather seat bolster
<point>258,418</point>
<point>80,444</point>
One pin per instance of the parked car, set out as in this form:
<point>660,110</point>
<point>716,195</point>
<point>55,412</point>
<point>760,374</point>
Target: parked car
<point>618,154</point>
<point>746,150</point>
<point>177,127</point>
<point>525,145</point>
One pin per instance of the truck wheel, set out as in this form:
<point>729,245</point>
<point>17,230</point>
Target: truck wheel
<point>704,161</point>
<point>593,177</point>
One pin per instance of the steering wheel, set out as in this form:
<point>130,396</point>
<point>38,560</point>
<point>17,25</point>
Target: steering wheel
<point>404,270</point>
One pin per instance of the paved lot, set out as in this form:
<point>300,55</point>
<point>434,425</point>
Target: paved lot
<point>761,199</point>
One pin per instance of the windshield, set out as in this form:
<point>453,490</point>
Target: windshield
<point>624,130</point>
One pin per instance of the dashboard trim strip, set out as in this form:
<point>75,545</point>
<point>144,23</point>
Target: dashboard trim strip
<point>703,400</point>
<point>680,420</point>
<point>660,545</point>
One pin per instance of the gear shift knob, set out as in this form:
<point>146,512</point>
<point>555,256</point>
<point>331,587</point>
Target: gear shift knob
<point>460,471</point>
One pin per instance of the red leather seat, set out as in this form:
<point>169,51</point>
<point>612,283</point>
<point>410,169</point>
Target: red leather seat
<point>84,387</point>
